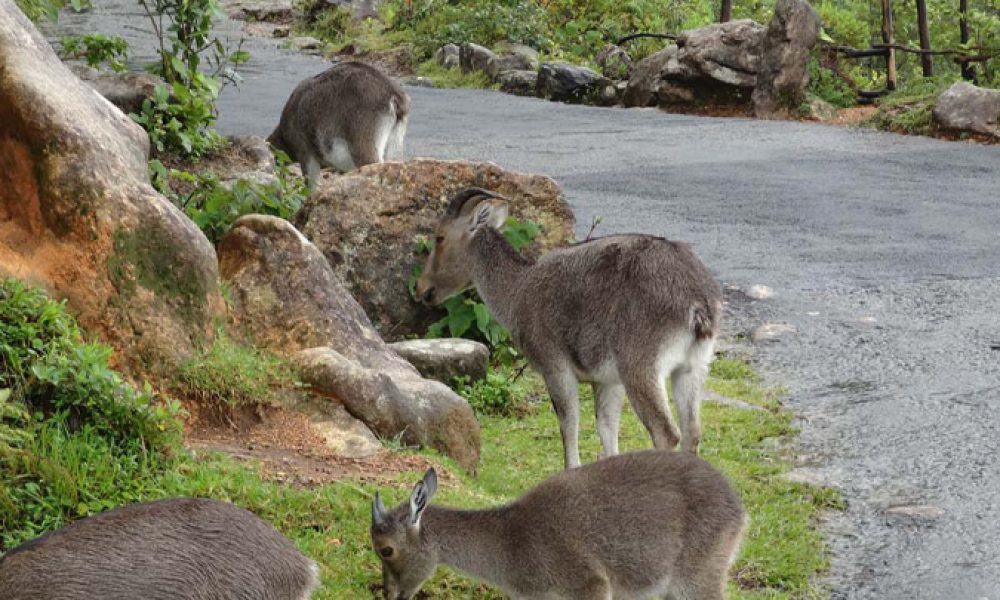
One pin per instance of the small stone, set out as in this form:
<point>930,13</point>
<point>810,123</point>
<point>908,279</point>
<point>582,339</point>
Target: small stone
<point>345,435</point>
<point>305,43</point>
<point>917,511</point>
<point>281,31</point>
<point>760,292</point>
<point>418,81</point>
<point>769,332</point>
<point>808,476</point>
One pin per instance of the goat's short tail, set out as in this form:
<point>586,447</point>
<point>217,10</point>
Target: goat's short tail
<point>705,319</point>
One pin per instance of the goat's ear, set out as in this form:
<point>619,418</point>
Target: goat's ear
<point>421,496</point>
<point>490,212</point>
<point>378,511</point>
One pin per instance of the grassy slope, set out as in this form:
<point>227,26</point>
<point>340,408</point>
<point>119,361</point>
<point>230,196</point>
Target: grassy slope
<point>780,555</point>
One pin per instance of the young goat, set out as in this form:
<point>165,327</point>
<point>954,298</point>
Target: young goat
<point>648,524</point>
<point>622,312</point>
<point>178,549</point>
<point>348,116</point>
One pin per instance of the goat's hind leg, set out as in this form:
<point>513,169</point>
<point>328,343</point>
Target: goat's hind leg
<point>645,388</point>
<point>608,401</point>
<point>686,385</point>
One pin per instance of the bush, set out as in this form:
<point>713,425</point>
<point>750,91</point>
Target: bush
<point>96,49</point>
<point>72,431</point>
<point>827,85</point>
<point>500,393</point>
<point>213,205</point>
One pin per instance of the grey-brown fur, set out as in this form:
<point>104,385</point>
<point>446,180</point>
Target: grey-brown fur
<point>622,312</point>
<point>178,549</point>
<point>346,117</point>
<point>648,524</point>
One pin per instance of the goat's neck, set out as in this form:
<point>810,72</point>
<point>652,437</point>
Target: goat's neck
<point>497,267</point>
<point>472,541</point>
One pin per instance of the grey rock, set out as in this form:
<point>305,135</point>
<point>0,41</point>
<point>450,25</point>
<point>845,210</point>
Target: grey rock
<point>726,54</point>
<point>446,358</point>
<point>79,218</point>
<point>274,11</point>
<point>366,223</point>
<point>286,297</point>
<point>965,107</point>
<point>821,110</point>
<point>255,148</point>
<point>418,81</point>
<point>473,57</point>
<point>570,83</point>
<point>526,52</point>
<point>508,62</point>
<point>760,292</point>
<point>124,90</point>
<point>644,81</point>
<point>305,44</point>
<point>519,83</point>
<point>615,62</point>
<point>447,56</point>
<point>783,75</point>
<point>343,434</point>
<point>769,332</point>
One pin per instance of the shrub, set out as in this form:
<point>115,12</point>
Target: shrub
<point>73,433</point>
<point>500,393</point>
<point>96,49</point>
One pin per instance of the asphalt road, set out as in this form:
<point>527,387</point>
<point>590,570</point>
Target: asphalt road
<point>883,252</point>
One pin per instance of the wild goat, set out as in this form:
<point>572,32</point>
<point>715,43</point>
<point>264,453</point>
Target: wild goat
<point>177,549</point>
<point>348,116</point>
<point>648,524</point>
<point>622,312</point>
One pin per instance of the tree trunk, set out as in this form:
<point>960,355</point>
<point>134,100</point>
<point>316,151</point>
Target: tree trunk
<point>968,73</point>
<point>925,39</point>
<point>726,13</point>
<point>887,38</point>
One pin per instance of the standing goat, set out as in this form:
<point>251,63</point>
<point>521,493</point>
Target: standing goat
<point>178,549</point>
<point>622,312</point>
<point>649,524</point>
<point>346,117</point>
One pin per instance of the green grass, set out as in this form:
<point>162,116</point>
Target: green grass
<point>233,374</point>
<point>909,109</point>
<point>453,78</point>
<point>782,552</point>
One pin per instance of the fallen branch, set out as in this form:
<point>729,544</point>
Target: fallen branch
<point>634,36</point>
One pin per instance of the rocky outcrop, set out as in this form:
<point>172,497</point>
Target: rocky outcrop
<point>473,57</point>
<point>570,83</point>
<point>965,107</point>
<point>614,61</point>
<point>285,297</point>
<point>644,81</point>
<point>445,359</point>
<point>366,224</point>
<point>79,218</point>
<point>124,90</point>
<point>519,83</point>
<point>717,63</point>
<point>783,75</point>
<point>447,56</point>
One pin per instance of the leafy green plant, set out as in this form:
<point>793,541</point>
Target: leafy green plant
<point>97,49</point>
<point>825,84</point>
<point>49,9</point>
<point>195,65</point>
<point>466,315</point>
<point>213,204</point>
<point>501,393</point>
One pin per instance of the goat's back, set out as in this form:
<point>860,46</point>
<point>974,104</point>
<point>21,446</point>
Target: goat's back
<point>183,548</point>
<point>643,516</point>
<point>611,292</point>
<point>331,102</point>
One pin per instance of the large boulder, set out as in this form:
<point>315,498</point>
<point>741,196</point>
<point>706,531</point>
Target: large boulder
<point>783,74</point>
<point>716,63</point>
<point>124,90</point>
<point>508,62</point>
<point>519,83</point>
<point>79,217</point>
<point>645,80</point>
<point>366,224</point>
<point>473,57</point>
<point>965,107</point>
<point>444,359</point>
<point>570,83</point>
<point>285,297</point>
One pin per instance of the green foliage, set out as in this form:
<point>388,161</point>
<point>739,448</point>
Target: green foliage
<point>466,315</point>
<point>453,78</point>
<point>49,9</point>
<point>195,66</point>
<point>231,374</point>
<point>825,84</point>
<point>214,205</point>
<point>501,393</point>
<point>65,414</point>
<point>97,49</point>
<point>909,109</point>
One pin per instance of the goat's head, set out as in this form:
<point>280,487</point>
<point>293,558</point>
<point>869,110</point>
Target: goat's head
<point>448,268</point>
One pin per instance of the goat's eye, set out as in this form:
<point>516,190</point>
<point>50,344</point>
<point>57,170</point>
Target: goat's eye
<point>439,240</point>
<point>386,552</point>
